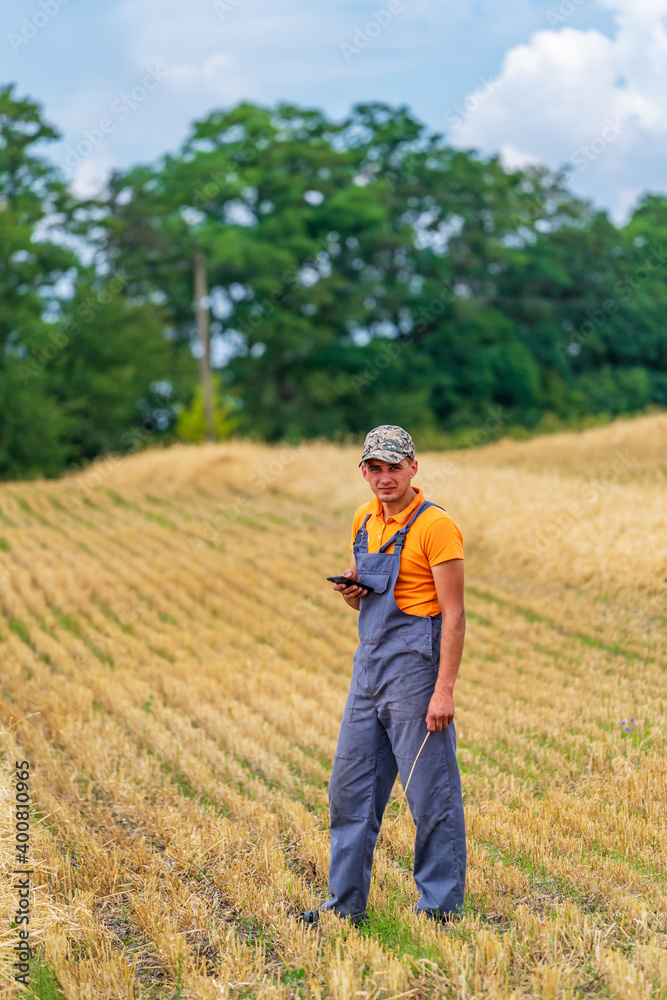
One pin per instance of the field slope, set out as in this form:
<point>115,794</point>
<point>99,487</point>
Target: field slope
<point>174,667</point>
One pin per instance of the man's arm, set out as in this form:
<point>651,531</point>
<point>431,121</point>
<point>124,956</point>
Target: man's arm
<point>448,579</point>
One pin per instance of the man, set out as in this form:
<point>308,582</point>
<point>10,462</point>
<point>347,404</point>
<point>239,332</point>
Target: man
<point>411,632</point>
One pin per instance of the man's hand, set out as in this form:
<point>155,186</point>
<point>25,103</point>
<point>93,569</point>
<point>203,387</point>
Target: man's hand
<point>352,591</point>
<point>440,711</point>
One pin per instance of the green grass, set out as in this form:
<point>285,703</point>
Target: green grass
<point>472,616</point>
<point>553,886</point>
<point>77,517</point>
<point>531,616</point>
<point>165,522</point>
<point>394,933</point>
<point>71,625</point>
<point>186,788</point>
<point>111,616</point>
<point>118,500</point>
<point>6,520</point>
<point>274,518</point>
<point>25,506</point>
<point>249,522</point>
<point>44,984</point>
<point>293,976</point>
<point>19,629</point>
<point>161,653</point>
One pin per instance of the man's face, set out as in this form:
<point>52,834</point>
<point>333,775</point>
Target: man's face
<point>389,482</point>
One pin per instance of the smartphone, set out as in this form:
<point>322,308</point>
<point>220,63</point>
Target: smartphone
<point>350,582</point>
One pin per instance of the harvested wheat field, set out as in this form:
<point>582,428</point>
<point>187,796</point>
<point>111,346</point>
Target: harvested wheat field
<point>174,668</point>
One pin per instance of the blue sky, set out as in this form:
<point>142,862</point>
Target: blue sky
<point>582,82</point>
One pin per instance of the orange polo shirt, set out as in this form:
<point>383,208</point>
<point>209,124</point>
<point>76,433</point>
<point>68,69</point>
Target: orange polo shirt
<point>433,538</point>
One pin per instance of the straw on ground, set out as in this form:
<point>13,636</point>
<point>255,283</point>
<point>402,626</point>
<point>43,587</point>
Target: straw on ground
<point>174,665</point>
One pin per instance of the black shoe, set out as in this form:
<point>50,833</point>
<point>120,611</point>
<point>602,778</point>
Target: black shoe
<point>441,918</point>
<point>311,917</point>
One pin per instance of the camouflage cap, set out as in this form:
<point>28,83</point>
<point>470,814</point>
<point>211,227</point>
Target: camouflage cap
<point>389,443</point>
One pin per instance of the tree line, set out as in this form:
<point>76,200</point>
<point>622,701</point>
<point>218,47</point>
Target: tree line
<point>357,272</point>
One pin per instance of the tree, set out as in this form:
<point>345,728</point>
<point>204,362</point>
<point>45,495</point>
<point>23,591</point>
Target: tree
<point>192,422</point>
<point>116,371</point>
<point>33,428</point>
<point>364,269</point>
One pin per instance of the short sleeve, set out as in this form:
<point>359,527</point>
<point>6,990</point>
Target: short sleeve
<point>443,541</point>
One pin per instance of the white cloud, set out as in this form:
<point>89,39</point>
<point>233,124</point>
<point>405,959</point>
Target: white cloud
<point>582,98</point>
<point>217,55</point>
<point>626,199</point>
<point>517,159</point>
<point>91,175</point>
<point>554,94</point>
<point>245,35</point>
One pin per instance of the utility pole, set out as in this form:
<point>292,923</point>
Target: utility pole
<point>202,307</point>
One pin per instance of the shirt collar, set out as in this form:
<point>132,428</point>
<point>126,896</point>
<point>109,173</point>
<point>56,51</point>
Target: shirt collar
<point>403,516</point>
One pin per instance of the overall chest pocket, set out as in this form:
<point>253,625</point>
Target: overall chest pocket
<point>378,581</point>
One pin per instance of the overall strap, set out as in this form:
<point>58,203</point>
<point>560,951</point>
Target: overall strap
<point>360,531</point>
<point>399,537</point>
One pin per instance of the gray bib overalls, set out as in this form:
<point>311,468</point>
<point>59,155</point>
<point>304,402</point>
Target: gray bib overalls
<point>383,726</point>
